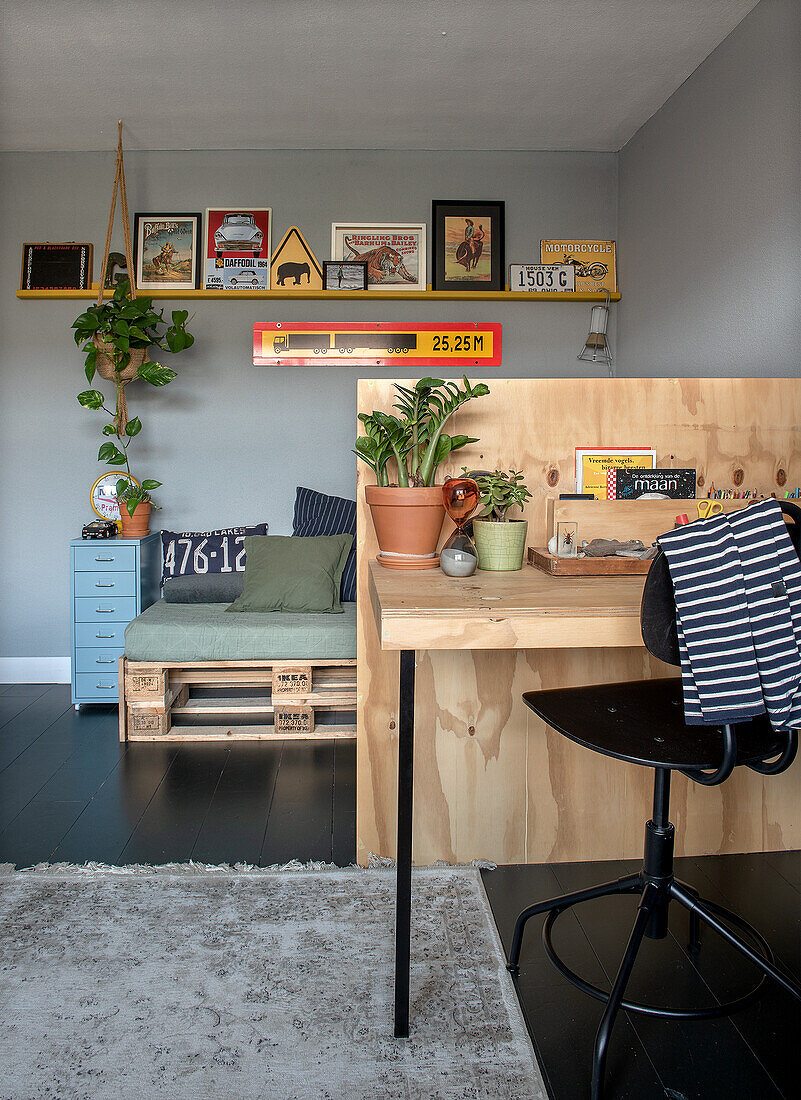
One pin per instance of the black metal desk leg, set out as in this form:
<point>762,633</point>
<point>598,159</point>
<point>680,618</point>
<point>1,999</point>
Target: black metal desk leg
<point>404,853</point>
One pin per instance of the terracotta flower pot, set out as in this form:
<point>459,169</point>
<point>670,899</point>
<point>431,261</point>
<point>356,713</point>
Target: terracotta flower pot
<point>137,525</point>
<point>500,546</point>
<point>407,524</point>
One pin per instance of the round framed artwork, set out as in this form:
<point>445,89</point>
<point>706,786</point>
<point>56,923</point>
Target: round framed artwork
<point>103,495</point>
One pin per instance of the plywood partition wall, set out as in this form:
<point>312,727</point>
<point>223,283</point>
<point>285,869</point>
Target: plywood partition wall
<point>491,780</point>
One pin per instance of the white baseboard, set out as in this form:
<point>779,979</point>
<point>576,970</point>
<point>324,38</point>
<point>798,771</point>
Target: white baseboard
<point>34,670</point>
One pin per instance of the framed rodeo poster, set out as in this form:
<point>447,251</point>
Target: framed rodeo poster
<point>395,253</point>
<point>468,251</point>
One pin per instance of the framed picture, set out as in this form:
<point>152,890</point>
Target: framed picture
<point>341,275</point>
<point>468,247</point>
<point>395,254</point>
<point>237,247</point>
<point>56,267</point>
<point>167,251</point>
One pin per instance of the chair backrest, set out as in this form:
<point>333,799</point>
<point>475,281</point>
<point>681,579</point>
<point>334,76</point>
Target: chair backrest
<point>658,608</point>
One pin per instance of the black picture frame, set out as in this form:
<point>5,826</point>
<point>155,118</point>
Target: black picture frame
<point>331,267</point>
<point>49,266</point>
<point>192,283</point>
<point>486,217</point>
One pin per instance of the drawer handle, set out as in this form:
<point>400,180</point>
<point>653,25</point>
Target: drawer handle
<point>105,610</point>
<point>105,559</point>
<point>107,687</point>
<point>99,584</point>
<point>100,661</point>
<point>105,635</point>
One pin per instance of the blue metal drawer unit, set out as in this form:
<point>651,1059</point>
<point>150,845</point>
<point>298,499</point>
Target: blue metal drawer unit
<point>112,582</point>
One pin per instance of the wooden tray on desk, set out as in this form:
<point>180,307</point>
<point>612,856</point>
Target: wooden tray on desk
<point>586,567</point>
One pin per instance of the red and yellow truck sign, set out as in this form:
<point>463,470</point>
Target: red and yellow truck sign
<point>377,343</point>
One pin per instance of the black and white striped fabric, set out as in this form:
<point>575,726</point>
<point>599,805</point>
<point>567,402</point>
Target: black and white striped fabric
<point>737,584</point>
<point>319,514</point>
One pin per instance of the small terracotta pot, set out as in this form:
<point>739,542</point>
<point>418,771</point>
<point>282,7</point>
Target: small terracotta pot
<point>137,525</point>
<point>407,521</point>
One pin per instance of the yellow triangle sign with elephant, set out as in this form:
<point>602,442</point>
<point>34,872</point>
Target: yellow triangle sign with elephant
<point>294,266</point>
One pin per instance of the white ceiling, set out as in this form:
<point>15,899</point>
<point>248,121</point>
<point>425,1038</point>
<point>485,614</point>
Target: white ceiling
<point>347,74</point>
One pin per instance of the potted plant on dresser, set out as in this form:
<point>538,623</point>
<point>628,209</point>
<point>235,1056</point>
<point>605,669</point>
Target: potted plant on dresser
<point>408,512</point>
<point>500,541</point>
<point>117,336</point>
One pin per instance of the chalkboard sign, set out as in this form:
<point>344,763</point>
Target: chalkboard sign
<point>56,266</point>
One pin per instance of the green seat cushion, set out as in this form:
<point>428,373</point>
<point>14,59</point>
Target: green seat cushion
<point>293,574</point>
<point>204,632</point>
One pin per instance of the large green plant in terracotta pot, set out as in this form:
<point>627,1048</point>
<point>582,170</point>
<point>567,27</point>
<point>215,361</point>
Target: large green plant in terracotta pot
<point>408,514</point>
<point>500,540</point>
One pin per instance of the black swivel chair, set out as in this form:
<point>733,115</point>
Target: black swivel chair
<point>642,722</point>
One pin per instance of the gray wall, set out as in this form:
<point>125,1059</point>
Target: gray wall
<point>710,213</point>
<point>229,440</point>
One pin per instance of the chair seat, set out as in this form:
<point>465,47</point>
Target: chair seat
<point>642,721</point>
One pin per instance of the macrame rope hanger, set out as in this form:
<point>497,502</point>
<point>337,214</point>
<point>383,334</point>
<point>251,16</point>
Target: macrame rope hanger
<point>105,365</point>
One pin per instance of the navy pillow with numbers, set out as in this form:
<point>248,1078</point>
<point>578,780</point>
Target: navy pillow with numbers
<point>192,553</point>
<point>318,514</point>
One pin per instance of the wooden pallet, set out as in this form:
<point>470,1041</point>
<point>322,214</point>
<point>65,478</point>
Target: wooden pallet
<point>159,701</point>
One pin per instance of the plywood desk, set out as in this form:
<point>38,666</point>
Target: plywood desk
<point>524,610</point>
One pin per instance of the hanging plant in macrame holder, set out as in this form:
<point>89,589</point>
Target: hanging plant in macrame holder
<point>117,336</point>
<point>121,332</point>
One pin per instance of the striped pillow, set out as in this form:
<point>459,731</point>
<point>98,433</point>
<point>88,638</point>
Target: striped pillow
<point>318,514</point>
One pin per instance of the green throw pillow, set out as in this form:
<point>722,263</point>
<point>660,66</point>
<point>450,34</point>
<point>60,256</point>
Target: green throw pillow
<point>288,573</point>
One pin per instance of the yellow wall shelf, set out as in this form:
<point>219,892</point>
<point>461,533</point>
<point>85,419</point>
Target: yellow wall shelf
<point>342,295</point>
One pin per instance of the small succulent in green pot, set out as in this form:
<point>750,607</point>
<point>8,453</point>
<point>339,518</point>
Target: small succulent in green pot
<point>500,540</point>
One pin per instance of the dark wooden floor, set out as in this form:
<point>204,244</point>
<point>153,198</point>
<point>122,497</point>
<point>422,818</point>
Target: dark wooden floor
<point>69,791</point>
<point>751,1055</point>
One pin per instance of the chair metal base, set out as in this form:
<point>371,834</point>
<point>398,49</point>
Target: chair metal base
<point>709,1013</point>
<point>657,887</point>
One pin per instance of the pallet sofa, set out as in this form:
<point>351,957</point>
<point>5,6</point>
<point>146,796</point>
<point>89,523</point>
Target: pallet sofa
<point>191,672</point>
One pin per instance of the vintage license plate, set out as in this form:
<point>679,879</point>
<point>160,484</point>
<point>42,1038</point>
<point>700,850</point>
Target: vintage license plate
<point>542,277</point>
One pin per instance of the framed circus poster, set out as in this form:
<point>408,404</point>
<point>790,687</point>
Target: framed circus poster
<point>469,249</point>
<point>395,253</point>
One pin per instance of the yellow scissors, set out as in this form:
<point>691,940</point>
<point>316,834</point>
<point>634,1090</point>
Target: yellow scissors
<point>707,508</point>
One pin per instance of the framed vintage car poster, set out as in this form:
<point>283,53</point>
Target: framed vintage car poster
<point>469,251</point>
<point>593,261</point>
<point>395,253</point>
<point>167,251</point>
<point>237,253</point>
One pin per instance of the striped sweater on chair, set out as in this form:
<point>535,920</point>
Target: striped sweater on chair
<point>737,585</point>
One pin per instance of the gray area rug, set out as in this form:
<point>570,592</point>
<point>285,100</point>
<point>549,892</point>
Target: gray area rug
<point>201,983</point>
